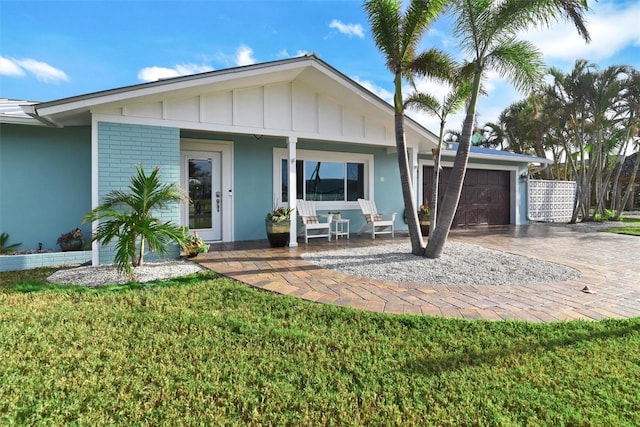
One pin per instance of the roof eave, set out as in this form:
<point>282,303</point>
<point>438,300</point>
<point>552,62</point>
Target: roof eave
<point>510,159</point>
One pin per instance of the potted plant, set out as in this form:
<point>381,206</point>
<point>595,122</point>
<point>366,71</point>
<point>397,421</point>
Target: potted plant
<point>424,216</point>
<point>278,225</point>
<point>193,244</point>
<point>335,214</point>
<point>71,241</point>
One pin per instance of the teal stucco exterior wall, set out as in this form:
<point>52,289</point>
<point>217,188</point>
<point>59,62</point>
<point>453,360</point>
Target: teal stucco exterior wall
<point>121,148</point>
<point>45,183</point>
<point>253,182</point>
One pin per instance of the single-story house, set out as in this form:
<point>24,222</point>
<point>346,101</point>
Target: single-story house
<point>241,140</point>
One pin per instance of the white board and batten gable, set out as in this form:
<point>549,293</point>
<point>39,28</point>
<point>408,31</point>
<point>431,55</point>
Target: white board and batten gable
<point>302,97</point>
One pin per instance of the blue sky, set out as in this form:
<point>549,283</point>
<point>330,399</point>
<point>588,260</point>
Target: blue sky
<point>56,49</point>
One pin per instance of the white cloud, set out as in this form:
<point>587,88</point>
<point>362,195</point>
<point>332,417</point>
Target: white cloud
<point>379,91</point>
<point>444,38</point>
<point>436,89</point>
<point>284,53</point>
<point>244,56</point>
<point>41,70</point>
<point>150,74</point>
<point>10,68</point>
<point>612,26</point>
<point>348,29</point>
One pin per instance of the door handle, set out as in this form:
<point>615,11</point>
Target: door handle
<point>217,201</point>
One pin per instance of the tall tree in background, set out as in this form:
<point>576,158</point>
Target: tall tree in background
<point>488,31</point>
<point>397,34</point>
<point>598,112</point>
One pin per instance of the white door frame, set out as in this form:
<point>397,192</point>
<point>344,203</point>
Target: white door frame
<point>201,147</point>
<point>213,233</point>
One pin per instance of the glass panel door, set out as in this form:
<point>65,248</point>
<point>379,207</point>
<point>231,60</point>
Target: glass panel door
<point>205,206</point>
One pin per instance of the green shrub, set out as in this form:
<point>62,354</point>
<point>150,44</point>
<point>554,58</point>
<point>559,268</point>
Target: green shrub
<point>4,248</point>
<point>129,219</point>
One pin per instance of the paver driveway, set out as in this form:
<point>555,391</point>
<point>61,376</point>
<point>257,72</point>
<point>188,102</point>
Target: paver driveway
<point>609,263</point>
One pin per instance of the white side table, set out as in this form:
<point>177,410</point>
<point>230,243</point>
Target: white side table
<point>340,227</point>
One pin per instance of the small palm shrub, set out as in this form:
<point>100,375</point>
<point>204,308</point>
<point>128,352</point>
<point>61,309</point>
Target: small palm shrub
<point>128,218</point>
<point>608,215</point>
<point>4,247</point>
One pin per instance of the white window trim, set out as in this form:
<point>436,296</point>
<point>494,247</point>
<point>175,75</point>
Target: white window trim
<point>280,154</point>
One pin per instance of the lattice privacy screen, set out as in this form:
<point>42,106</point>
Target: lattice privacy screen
<point>551,201</point>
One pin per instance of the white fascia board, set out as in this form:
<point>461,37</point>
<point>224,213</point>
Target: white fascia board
<point>510,159</point>
<point>32,112</point>
<point>20,120</point>
<point>161,87</point>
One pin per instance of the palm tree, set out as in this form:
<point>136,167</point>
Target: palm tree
<point>488,32</point>
<point>397,34</point>
<point>129,218</point>
<point>452,102</point>
<point>598,111</point>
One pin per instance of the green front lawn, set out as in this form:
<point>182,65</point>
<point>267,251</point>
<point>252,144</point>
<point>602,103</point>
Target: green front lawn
<point>209,351</point>
<point>631,230</point>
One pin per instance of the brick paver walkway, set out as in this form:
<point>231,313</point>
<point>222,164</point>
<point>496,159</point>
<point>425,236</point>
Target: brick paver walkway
<point>609,263</point>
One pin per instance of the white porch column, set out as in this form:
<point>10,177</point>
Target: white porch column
<point>413,161</point>
<point>293,191</point>
<point>95,196</point>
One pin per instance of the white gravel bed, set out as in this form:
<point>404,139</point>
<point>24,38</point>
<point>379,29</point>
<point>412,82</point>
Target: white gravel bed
<point>461,263</point>
<point>109,274</point>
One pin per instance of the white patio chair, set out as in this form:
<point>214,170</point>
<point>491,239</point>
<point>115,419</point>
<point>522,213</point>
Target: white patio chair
<point>311,224</point>
<point>378,222</point>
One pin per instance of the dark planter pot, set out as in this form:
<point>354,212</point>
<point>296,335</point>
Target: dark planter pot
<point>424,227</point>
<point>278,233</point>
<point>72,245</point>
<point>192,254</point>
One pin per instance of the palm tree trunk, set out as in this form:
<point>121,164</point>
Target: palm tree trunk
<point>411,212</point>
<point>546,173</point>
<point>435,247</point>
<point>629,191</point>
<point>436,180</point>
<point>141,256</point>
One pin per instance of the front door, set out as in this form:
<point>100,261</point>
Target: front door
<point>202,173</point>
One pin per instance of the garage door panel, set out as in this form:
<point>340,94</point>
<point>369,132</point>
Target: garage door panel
<point>485,196</point>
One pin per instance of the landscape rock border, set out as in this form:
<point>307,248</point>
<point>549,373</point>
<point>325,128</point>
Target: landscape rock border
<point>109,274</point>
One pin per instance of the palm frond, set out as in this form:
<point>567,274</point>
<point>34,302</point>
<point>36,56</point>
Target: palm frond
<point>419,16</point>
<point>129,218</point>
<point>435,64</point>
<point>384,18</point>
<point>425,102</point>
<point>518,60</point>
<point>457,97</point>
